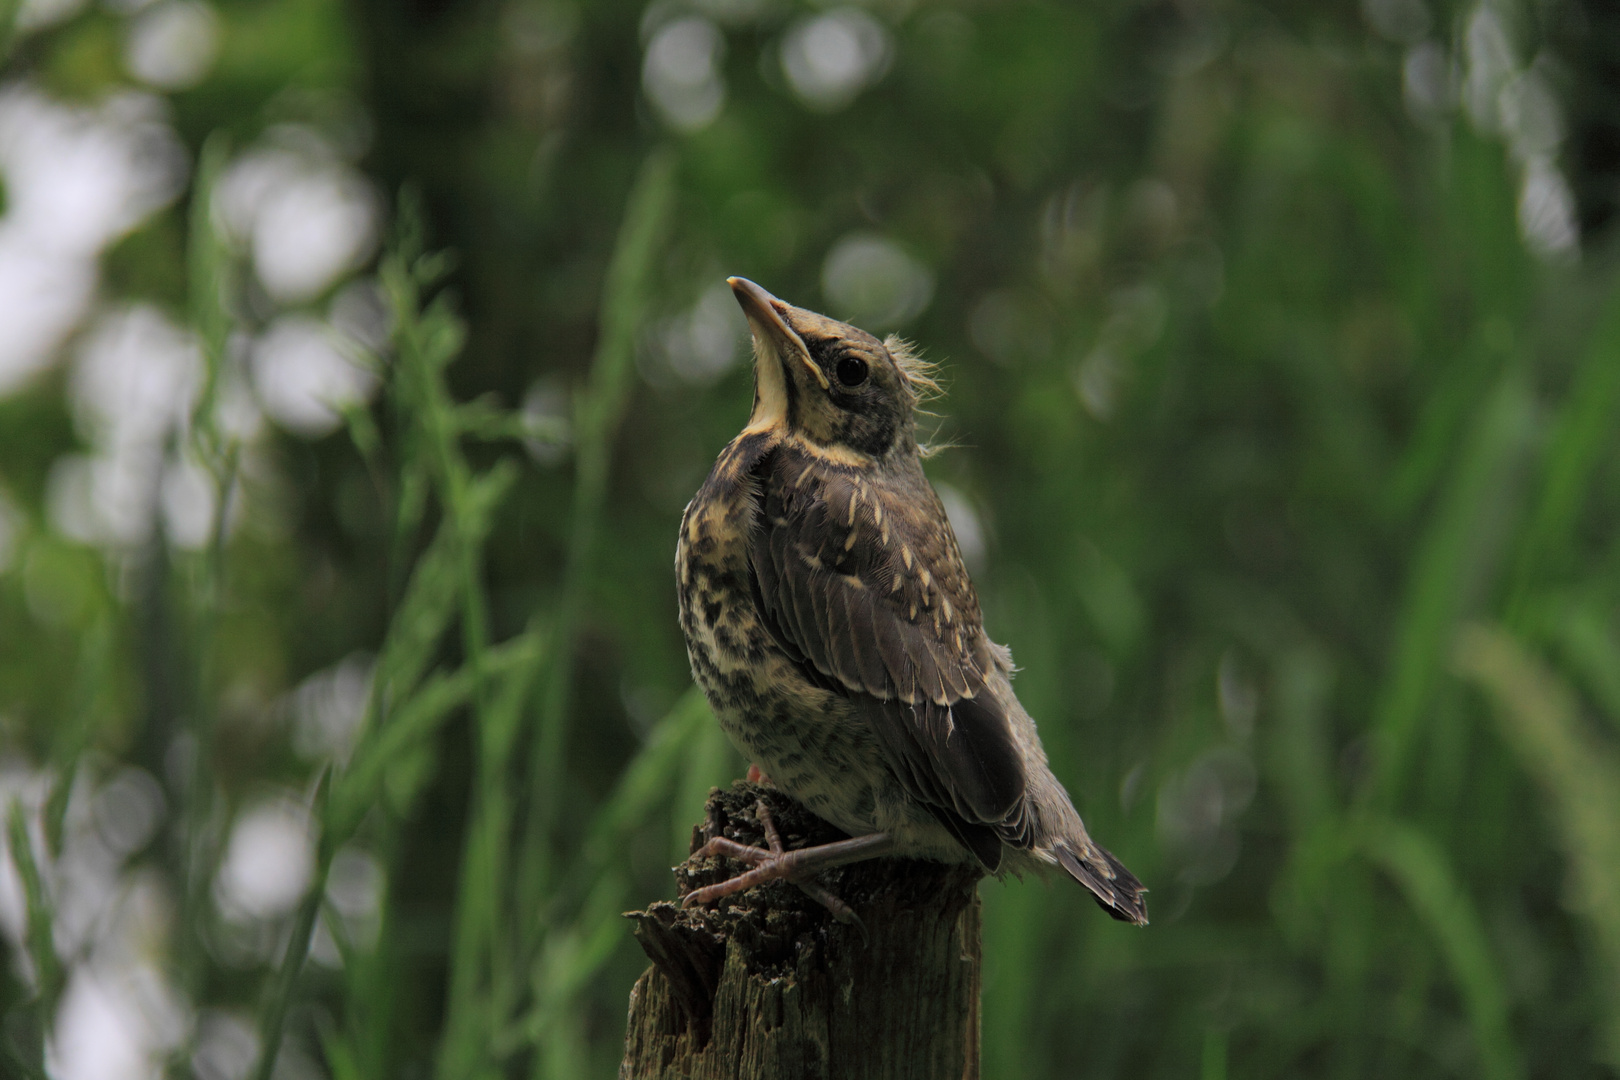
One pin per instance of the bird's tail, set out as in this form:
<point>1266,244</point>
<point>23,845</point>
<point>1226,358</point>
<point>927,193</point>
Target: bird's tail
<point>1116,888</point>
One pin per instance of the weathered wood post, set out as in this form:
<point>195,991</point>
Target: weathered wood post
<point>767,986</point>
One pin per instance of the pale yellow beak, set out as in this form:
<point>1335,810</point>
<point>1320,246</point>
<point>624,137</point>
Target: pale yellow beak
<point>765,318</point>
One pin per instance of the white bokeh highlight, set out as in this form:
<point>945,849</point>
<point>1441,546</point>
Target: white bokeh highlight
<point>1136,320</point>
<point>1518,102</point>
<point>1489,65</point>
<point>19,784</point>
<point>127,810</point>
<point>119,1017</point>
<point>306,373</point>
<point>874,283</point>
<point>966,524</point>
<point>172,44</point>
<point>355,886</point>
<point>187,502</point>
<point>75,179</point>
<point>681,72</point>
<point>136,379</point>
<point>702,343</point>
<point>328,707</point>
<point>1198,810</point>
<point>831,57</point>
<point>269,861</point>
<point>118,1024</point>
<point>548,412</point>
<point>227,1046</point>
<point>1426,82</point>
<point>1547,210</point>
<point>134,384</point>
<point>38,14</point>
<point>307,216</point>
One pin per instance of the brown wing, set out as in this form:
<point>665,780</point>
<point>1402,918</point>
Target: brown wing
<point>867,590</point>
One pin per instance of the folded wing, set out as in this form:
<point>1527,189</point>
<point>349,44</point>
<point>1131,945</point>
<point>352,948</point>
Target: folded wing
<point>870,596</point>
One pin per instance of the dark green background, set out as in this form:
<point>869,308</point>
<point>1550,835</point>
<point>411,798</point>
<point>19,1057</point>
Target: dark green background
<point>1318,620</point>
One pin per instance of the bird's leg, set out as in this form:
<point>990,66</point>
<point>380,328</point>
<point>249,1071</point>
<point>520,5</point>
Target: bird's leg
<point>840,910</point>
<point>795,866</point>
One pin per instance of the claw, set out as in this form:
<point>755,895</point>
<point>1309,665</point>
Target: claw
<point>840,910</point>
<point>774,862</point>
<point>763,814</point>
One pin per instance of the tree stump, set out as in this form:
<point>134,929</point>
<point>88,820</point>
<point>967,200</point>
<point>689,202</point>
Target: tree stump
<point>765,985</point>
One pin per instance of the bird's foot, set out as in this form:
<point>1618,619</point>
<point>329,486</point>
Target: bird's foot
<point>777,863</point>
<point>756,775</point>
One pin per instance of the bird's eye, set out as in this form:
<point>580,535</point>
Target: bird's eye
<point>851,371</point>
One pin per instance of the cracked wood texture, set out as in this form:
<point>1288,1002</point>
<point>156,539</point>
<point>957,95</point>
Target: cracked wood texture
<point>765,985</point>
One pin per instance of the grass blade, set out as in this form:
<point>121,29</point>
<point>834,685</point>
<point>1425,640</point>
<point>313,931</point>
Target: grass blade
<point>573,954</point>
<point>414,722</point>
<point>40,938</point>
<point>1421,869</point>
<point>273,1017</point>
<point>1579,776</point>
<point>1584,430</point>
<point>1460,544</point>
<point>624,301</point>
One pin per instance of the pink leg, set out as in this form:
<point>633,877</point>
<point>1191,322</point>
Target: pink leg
<point>840,910</point>
<point>795,866</point>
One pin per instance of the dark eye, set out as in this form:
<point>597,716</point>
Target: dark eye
<point>851,371</point>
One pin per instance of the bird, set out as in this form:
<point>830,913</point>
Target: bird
<point>833,627</point>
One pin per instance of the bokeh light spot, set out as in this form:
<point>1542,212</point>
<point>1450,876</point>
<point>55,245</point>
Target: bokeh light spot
<point>172,44</point>
<point>830,58</point>
<point>305,376</point>
<point>703,343</point>
<point>872,282</point>
<point>966,524</point>
<point>227,1046</point>
<point>308,216</point>
<point>75,179</point>
<point>329,706</point>
<point>128,809</point>
<point>269,861</point>
<point>681,72</point>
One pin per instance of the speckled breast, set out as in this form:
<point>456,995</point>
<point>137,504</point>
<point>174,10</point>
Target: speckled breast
<point>802,735</point>
<point>725,639</point>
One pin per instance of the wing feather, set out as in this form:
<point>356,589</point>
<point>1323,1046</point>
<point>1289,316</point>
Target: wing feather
<point>800,602</point>
<point>891,619</point>
<point>891,644</point>
<point>863,620</point>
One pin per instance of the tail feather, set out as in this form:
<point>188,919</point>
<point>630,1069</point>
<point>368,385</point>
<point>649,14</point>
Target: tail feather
<point>1116,889</point>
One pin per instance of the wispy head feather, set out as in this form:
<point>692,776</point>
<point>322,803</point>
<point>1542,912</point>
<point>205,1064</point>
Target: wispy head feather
<point>919,373</point>
<point>922,379</point>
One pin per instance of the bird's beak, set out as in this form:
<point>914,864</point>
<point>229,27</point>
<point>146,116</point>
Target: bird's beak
<point>771,331</point>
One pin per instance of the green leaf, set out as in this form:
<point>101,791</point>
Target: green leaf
<point>40,937</point>
<point>1579,777</point>
<point>1420,867</point>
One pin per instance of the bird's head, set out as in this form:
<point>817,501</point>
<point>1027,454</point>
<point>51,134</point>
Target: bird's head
<point>842,390</point>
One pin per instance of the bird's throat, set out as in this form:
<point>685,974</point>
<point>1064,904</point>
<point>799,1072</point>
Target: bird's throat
<point>771,391</point>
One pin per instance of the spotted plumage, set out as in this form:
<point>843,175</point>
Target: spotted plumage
<point>831,621</point>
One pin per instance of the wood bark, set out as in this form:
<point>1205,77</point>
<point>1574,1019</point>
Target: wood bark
<point>766,985</point>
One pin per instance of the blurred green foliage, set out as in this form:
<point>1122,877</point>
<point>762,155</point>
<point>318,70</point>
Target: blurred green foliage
<point>1286,419</point>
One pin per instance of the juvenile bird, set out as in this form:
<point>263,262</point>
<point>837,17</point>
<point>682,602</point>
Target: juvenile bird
<point>833,626</point>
